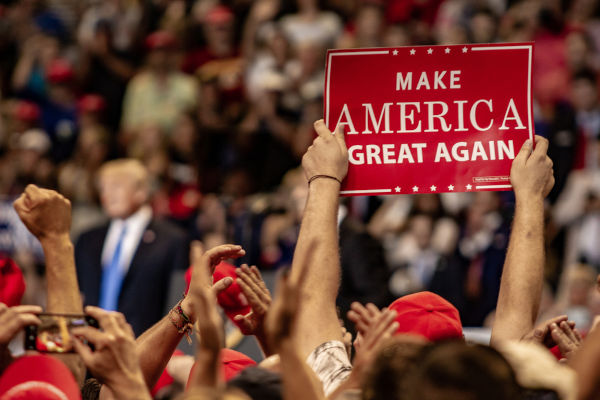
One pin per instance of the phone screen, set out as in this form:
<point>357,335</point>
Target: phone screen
<point>53,335</point>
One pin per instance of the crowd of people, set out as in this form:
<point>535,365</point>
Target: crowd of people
<point>168,122</point>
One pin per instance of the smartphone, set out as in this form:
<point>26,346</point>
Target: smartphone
<point>53,335</point>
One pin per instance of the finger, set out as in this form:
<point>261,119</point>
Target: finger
<point>322,129</point>
<point>28,309</point>
<point>384,321</point>
<point>92,335</point>
<point>19,204</point>
<point>103,317</point>
<point>341,136</point>
<point>561,339</point>
<point>568,331</point>
<point>222,285</point>
<point>541,146</point>
<point>524,153</point>
<point>250,295</point>
<point>373,310</point>
<point>257,274</point>
<point>196,252</point>
<point>248,278</point>
<point>84,351</point>
<point>244,320</point>
<point>359,322</point>
<point>577,334</point>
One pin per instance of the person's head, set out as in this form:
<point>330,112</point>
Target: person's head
<point>455,370</point>
<point>123,186</point>
<point>395,358</point>
<point>161,46</point>
<point>584,91</point>
<point>258,384</point>
<point>60,76</point>
<point>483,26</point>
<point>219,30</point>
<point>38,377</point>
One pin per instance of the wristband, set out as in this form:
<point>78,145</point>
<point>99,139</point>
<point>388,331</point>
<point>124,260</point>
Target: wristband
<point>312,178</point>
<point>182,323</point>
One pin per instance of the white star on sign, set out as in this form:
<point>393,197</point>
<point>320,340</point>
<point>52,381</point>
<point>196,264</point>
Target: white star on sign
<point>465,49</point>
<point>415,188</point>
<point>447,50</point>
<point>397,189</point>
<point>469,187</point>
<point>412,52</point>
<point>433,188</point>
<point>429,51</point>
<point>451,187</point>
<point>395,52</point>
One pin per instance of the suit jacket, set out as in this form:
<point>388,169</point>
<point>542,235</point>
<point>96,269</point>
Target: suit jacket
<point>162,249</point>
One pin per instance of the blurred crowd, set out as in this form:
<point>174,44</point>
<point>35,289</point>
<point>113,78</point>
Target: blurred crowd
<point>217,100</point>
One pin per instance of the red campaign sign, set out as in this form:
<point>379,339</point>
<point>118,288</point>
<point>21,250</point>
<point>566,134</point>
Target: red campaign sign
<point>430,119</point>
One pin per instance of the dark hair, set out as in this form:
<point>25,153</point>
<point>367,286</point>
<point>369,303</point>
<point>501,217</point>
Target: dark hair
<point>258,383</point>
<point>395,358</point>
<point>455,370</point>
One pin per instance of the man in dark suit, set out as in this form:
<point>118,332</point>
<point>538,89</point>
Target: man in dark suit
<point>126,265</point>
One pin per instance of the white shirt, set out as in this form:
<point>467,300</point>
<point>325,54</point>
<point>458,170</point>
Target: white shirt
<point>136,225</point>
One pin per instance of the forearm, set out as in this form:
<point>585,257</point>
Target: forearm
<point>299,381</point>
<point>155,348</point>
<point>207,371</point>
<point>586,364</point>
<point>522,277</point>
<point>61,277</point>
<point>318,238</point>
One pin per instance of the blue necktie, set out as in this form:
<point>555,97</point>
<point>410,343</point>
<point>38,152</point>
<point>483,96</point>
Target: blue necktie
<point>112,278</point>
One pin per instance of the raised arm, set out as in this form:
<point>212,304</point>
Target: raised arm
<point>325,166</point>
<point>522,278</point>
<point>155,346</point>
<point>47,215</point>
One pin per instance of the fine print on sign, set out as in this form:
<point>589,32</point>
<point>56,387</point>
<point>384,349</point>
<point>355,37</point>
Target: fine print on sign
<point>430,119</point>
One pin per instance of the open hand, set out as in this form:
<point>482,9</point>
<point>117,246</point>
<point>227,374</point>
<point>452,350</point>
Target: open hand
<point>259,298</point>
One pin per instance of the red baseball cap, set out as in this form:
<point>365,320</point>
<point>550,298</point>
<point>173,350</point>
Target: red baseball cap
<point>27,111</point>
<point>38,377</point>
<point>161,40</point>
<point>232,363</point>
<point>428,315</point>
<point>91,103</point>
<point>231,300</point>
<point>12,284</point>
<point>60,71</point>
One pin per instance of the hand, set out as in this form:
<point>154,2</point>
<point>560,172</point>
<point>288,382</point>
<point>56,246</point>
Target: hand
<point>114,361</point>
<point>213,257</point>
<point>258,297</point>
<point>14,319</point>
<point>347,340</point>
<point>364,317</point>
<point>382,327</point>
<point>281,318</point>
<point>203,297</point>
<point>327,155</point>
<point>46,213</point>
<point>531,173</point>
<point>542,333</point>
<point>566,337</point>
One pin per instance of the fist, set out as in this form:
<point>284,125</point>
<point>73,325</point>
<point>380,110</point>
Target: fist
<point>531,173</point>
<point>44,212</point>
<point>327,155</point>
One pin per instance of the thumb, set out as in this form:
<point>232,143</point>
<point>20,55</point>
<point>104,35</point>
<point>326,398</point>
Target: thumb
<point>525,152</point>
<point>222,285</point>
<point>340,136</point>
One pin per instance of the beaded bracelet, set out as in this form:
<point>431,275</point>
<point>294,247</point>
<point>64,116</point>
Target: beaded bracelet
<point>183,324</point>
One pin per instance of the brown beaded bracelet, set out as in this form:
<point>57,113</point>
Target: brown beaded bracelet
<point>183,324</point>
